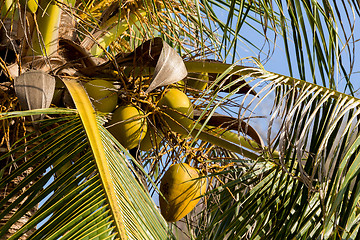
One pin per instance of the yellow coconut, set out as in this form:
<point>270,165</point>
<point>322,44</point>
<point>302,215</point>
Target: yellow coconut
<point>197,81</point>
<point>178,110</point>
<point>102,94</point>
<point>181,189</point>
<point>151,140</point>
<point>128,125</point>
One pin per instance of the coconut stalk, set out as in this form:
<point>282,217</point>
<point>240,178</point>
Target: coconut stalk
<point>114,32</point>
<point>223,138</point>
<point>31,5</point>
<point>8,9</point>
<point>9,29</point>
<point>230,141</point>
<point>47,21</point>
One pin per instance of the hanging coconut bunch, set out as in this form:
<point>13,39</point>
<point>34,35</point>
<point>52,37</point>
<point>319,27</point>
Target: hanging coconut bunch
<point>151,110</point>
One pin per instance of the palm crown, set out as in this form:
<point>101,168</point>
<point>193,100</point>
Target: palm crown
<point>100,98</point>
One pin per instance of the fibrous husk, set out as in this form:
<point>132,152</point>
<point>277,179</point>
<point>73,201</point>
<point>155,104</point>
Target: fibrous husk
<point>35,90</point>
<point>156,53</point>
<point>76,55</point>
<point>170,68</point>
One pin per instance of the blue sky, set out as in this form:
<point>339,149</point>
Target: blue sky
<point>277,61</point>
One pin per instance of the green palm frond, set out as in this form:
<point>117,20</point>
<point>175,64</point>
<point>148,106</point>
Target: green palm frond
<point>75,202</point>
<point>311,187</point>
<point>316,37</point>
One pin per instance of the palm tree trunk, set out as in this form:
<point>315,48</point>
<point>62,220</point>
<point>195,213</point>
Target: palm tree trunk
<point>11,41</point>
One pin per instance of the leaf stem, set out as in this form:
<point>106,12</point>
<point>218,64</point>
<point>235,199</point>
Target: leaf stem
<point>88,118</point>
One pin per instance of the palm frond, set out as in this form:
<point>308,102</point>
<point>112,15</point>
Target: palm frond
<point>74,204</point>
<point>317,37</point>
<point>311,187</point>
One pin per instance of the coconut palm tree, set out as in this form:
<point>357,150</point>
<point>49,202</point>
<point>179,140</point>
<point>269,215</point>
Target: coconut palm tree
<point>72,170</point>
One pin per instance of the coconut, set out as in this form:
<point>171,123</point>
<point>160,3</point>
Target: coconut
<point>102,94</point>
<point>181,188</point>
<point>178,110</point>
<point>128,125</point>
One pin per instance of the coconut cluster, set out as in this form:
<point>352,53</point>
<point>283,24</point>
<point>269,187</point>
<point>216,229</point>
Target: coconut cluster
<point>128,123</point>
<point>181,185</point>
